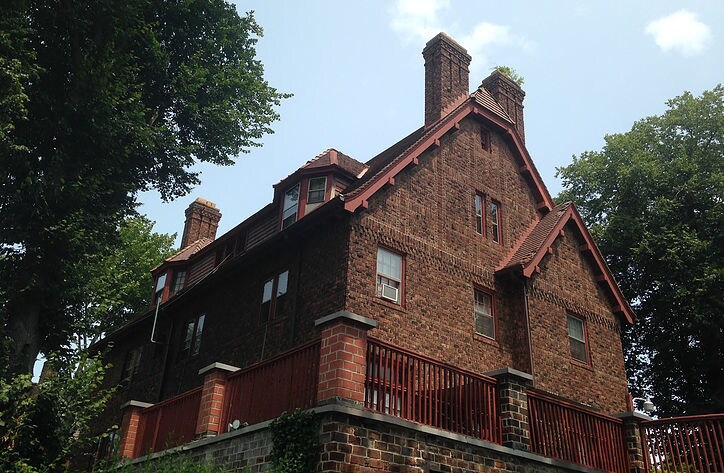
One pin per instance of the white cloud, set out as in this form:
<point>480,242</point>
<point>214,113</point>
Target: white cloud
<point>417,21</point>
<point>681,32</point>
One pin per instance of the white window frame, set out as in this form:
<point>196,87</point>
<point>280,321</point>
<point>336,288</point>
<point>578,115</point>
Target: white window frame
<point>481,313</point>
<point>290,210</point>
<point>383,278</point>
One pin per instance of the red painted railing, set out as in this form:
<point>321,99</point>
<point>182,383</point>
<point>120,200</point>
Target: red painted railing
<point>565,431</point>
<point>168,423</point>
<point>685,444</point>
<point>401,383</point>
<point>265,390</point>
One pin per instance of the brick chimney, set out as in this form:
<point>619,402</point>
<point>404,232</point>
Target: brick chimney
<point>446,75</point>
<point>202,220</point>
<point>509,95</point>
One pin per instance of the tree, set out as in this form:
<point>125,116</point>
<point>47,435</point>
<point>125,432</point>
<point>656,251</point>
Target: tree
<point>117,283</point>
<point>654,197</point>
<point>107,99</point>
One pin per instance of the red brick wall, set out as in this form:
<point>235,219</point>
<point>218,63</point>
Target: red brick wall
<point>567,284</point>
<point>428,215</point>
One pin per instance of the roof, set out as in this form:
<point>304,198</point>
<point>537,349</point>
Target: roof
<point>534,245</point>
<point>386,165</point>
<point>329,158</point>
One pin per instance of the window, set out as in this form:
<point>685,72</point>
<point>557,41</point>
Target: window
<point>495,217</point>
<point>483,313</point>
<point>577,338</point>
<point>389,275</point>
<point>272,300</point>
<point>479,213</point>
<point>317,190</point>
<point>179,279</point>
<point>131,365</point>
<point>192,336</point>
<point>290,205</point>
<point>485,138</point>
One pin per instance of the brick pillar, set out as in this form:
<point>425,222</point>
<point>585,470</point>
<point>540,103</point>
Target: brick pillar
<point>342,363</point>
<point>635,448</point>
<point>130,426</point>
<point>513,407</point>
<point>208,423</point>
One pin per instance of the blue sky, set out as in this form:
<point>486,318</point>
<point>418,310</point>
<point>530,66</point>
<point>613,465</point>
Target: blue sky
<point>356,72</point>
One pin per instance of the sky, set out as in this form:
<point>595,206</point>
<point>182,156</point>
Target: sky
<point>356,70</point>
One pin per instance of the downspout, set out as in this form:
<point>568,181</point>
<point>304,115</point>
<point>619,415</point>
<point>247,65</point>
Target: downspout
<point>527,327</point>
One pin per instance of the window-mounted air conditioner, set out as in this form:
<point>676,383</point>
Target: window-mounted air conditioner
<point>390,292</point>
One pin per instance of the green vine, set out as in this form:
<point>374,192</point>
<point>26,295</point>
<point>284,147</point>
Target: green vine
<point>295,442</point>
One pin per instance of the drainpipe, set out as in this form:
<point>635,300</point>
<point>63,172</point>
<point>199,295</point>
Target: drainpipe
<point>527,327</point>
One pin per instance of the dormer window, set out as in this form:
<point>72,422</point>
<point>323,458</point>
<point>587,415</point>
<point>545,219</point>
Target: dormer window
<point>291,206</point>
<point>317,189</point>
<point>179,279</point>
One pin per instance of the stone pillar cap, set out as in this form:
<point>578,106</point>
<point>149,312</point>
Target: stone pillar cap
<point>344,315</point>
<point>218,366</point>
<point>510,372</point>
<point>133,403</point>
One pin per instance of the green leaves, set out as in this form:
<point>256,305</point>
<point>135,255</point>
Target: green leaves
<point>100,100</point>
<point>655,199</point>
<point>295,439</point>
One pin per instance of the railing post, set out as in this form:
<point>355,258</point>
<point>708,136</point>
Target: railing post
<point>212,399</point>
<point>342,363</point>
<point>130,426</point>
<point>635,448</point>
<point>513,407</point>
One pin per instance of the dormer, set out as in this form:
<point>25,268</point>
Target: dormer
<point>318,181</point>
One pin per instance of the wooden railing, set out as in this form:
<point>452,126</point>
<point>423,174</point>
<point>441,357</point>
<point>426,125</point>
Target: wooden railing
<point>565,431</point>
<point>685,444</point>
<point>265,390</point>
<point>416,388</point>
<point>168,423</point>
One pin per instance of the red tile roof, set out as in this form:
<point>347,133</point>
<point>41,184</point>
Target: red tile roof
<point>190,250</point>
<point>530,243</point>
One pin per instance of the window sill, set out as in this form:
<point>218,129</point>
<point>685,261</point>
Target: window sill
<point>484,339</point>
<point>388,304</point>
<point>581,364</point>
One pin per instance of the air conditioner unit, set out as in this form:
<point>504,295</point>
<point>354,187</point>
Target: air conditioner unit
<point>389,292</point>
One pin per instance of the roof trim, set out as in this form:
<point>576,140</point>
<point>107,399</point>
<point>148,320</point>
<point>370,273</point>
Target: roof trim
<point>571,214</point>
<point>358,197</point>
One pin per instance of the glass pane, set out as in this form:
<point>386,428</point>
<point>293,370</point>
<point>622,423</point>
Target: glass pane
<point>578,350</point>
<point>317,189</point>
<point>485,325</point>
<point>483,303</point>
<point>478,213</point>
<point>189,336</point>
<point>389,264</point>
<point>199,329</point>
<point>282,284</point>
<point>575,328</point>
<point>289,210</point>
<point>267,293</point>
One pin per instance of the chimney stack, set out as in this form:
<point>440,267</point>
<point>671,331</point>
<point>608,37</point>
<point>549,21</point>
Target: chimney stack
<point>447,71</point>
<point>202,220</point>
<point>509,95</point>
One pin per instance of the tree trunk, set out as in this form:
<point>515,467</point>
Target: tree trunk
<point>23,328</point>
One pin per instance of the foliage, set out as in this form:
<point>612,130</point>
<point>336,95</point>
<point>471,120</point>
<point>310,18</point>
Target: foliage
<point>654,197</point>
<point>101,100</point>
<point>42,425</point>
<point>117,282</point>
<point>510,73</point>
<point>295,442</point>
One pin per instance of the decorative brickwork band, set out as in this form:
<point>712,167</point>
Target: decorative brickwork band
<point>342,361</point>
<point>208,422</point>
<point>632,437</point>
<point>130,427</point>
<point>513,407</point>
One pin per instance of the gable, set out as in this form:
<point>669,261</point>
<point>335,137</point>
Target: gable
<point>537,244</point>
<point>479,105</point>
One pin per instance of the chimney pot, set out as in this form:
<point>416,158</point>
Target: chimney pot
<point>202,221</point>
<point>447,75</point>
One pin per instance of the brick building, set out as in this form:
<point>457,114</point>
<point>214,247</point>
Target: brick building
<point>444,250</point>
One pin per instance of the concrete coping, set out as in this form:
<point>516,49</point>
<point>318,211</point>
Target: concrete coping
<point>218,366</point>
<point>133,403</point>
<point>510,372</point>
<point>633,415</point>
<point>344,315</point>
